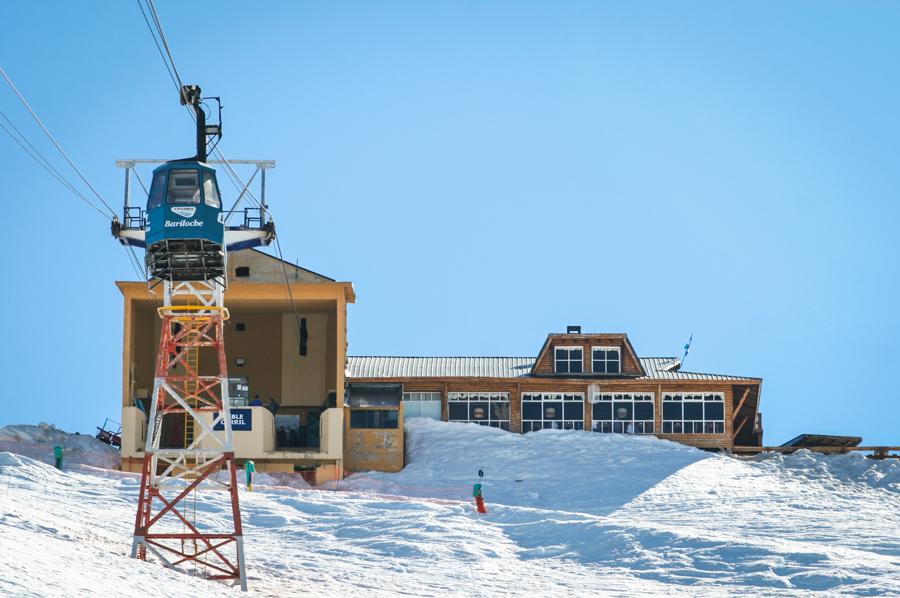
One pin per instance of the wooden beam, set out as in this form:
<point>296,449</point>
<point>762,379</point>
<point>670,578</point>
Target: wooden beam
<point>740,427</point>
<point>741,403</point>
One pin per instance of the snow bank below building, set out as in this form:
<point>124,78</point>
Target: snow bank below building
<point>570,513</point>
<point>668,512</point>
<point>38,441</point>
<point>586,472</point>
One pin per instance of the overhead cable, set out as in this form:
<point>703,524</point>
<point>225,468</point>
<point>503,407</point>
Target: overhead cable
<point>36,155</point>
<point>53,139</point>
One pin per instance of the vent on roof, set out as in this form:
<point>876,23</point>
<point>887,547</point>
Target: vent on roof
<point>242,271</point>
<point>672,366</point>
<point>573,329</point>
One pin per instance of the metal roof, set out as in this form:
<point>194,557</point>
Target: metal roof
<point>492,367</point>
<point>439,367</point>
<point>654,368</point>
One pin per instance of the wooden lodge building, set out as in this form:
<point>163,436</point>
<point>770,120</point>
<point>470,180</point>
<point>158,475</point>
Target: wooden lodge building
<point>316,411</point>
<point>577,381</point>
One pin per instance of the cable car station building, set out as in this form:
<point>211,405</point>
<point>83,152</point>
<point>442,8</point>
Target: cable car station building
<point>300,404</point>
<point>286,412</point>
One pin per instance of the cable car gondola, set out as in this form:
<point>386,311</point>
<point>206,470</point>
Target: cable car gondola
<point>186,233</point>
<point>185,224</point>
<point>183,228</point>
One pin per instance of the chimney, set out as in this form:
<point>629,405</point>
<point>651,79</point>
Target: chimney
<point>573,329</point>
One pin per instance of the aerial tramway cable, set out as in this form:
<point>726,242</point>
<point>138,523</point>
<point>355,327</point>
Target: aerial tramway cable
<point>158,47</point>
<point>165,53</point>
<point>44,163</point>
<point>29,148</point>
<point>162,37</point>
<point>53,140</point>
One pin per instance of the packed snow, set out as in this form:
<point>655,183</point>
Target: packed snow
<point>38,442</point>
<point>569,513</point>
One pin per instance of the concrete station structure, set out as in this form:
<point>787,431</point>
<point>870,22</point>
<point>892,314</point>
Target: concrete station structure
<point>263,334</point>
<point>314,410</point>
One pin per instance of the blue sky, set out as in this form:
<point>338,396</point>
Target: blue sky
<point>486,173</point>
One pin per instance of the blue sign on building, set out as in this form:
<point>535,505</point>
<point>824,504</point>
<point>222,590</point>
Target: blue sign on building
<point>241,420</point>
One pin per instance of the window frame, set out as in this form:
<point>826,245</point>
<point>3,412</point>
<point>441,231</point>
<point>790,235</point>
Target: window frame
<point>407,396</point>
<point>419,398</point>
<point>615,348</point>
<point>677,427</point>
<point>367,411</point>
<point>618,350</point>
<point>468,397</point>
<point>568,360</point>
<point>636,424</point>
<point>173,175</point>
<point>160,199</point>
<point>215,187</point>
<point>555,424</point>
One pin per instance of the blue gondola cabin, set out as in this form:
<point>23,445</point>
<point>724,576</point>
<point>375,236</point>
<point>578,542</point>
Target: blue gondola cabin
<point>186,231</point>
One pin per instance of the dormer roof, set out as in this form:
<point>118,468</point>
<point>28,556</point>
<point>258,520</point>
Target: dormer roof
<point>631,364</point>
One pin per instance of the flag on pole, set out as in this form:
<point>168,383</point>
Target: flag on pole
<point>687,348</point>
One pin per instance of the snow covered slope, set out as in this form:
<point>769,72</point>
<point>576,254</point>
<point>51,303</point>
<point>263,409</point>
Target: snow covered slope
<point>570,513</point>
<point>38,441</point>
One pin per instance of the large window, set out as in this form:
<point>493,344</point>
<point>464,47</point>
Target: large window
<point>694,413</point>
<point>210,190</point>
<point>238,392</point>
<point>606,360</point>
<point>422,404</point>
<point>184,186</point>
<point>556,411</point>
<point>569,360</point>
<point>485,408</point>
<point>623,413</point>
<point>374,418</point>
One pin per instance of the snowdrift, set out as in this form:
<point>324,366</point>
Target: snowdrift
<point>570,513</point>
<point>38,441</point>
<point>590,473</point>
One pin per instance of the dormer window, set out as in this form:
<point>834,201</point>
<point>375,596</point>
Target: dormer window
<point>569,360</point>
<point>606,360</point>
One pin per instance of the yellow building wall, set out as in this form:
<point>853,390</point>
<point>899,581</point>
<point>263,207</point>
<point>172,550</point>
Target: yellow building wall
<point>304,379</point>
<point>371,449</point>
<point>259,345</point>
<point>145,326</point>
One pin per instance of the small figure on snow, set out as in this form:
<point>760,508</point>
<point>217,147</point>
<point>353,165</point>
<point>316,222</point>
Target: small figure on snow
<point>476,492</point>
<point>250,468</point>
<point>58,453</point>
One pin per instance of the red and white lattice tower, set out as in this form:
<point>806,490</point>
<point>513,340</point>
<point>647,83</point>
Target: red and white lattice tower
<point>167,524</point>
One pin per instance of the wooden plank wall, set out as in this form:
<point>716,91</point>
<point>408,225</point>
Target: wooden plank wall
<point>545,364</point>
<point>518,386</point>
